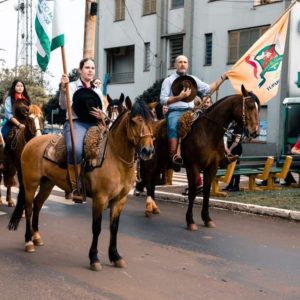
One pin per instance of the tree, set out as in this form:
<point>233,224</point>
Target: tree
<point>152,93</point>
<point>53,104</point>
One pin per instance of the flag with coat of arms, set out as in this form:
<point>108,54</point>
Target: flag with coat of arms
<point>49,29</point>
<point>259,68</point>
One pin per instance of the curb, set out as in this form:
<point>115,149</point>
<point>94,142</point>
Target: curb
<point>234,206</point>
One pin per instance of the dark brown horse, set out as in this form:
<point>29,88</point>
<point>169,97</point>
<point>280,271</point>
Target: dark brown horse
<point>202,149</point>
<point>33,119</point>
<point>108,185</point>
<point>116,106</point>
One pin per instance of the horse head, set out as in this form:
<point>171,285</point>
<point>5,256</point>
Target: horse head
<point>248,113</point>
<point>115,107</point>
<point>35,121</point>
<point>139,130</point>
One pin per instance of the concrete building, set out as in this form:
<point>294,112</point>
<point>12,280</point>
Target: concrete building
<point>138,40</point>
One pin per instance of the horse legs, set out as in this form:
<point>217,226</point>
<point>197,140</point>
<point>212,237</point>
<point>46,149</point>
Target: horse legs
<point>98,208</point>
<point>207,179</point>
<point>151,206</point>
<point>192,180</point>
<point>115,212</point>
<point>46,187</point>
<point>10,202</point>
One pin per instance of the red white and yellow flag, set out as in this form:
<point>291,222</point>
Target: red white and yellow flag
<point>260,67</point>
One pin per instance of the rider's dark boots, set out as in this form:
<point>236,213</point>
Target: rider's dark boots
<point>174,157</point>
<point>77,196</point>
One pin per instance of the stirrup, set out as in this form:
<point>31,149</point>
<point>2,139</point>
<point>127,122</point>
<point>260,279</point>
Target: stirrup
<point>177,163</point>
<point>177,159</point>
<point>78,197</point>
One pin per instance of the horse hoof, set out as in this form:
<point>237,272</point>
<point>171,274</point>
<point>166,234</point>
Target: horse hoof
<point>156,210</point>
<point>148,214</point>
<point>38,242</point>
<point>96,266</point>
<point>120,263</point>
<point>10,204</point>
<point>192,227</point>
<point>210,224</point>
<point>29,247</point>
<point>68,196</point>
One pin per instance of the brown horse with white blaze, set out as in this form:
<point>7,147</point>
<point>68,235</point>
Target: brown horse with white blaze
<point>108,185</point>
<point>203,148</point>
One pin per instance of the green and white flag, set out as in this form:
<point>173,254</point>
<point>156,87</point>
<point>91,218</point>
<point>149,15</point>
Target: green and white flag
<point>49,29</point>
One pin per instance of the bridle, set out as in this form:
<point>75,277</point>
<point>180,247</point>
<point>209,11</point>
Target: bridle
<point>244,136</point>
<point>138,137</point>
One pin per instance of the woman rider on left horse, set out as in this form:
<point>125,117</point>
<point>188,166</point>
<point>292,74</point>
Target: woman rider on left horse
<point>17,95</point>
<point>87,73</point>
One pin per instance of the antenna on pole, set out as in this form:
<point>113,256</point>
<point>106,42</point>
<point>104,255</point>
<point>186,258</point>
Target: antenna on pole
<point>24,34</point>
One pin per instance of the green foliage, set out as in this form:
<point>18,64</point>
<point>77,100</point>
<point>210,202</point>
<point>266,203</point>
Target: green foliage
<point>152,93</point>
<point>53,104</point>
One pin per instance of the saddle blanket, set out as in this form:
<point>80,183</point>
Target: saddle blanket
<point>95,143</point>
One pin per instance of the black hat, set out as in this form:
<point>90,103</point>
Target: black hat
<point>83,101</point>
<point>183,82</point>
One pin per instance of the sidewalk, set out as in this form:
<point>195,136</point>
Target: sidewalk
<point>173,194</point>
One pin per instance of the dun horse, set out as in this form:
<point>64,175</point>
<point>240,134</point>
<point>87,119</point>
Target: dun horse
<point>33,119</point>
<point>108,185</point>
<point>203,148</point>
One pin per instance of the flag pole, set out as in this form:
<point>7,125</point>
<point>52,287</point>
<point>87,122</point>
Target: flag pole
<point>69,112</point>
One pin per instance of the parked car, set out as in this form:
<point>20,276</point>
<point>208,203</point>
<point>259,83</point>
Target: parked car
<point>53,130</point>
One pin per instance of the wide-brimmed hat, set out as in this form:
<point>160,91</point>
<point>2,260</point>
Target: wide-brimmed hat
<point>183,82</point>
<point>83,102</point>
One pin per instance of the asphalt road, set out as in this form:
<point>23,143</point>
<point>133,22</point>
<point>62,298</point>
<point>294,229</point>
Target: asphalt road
<point>245,257</point>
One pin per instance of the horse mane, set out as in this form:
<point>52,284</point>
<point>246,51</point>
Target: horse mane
<point>35,109</point>
<point>252,95</point>
<point>140,108</point>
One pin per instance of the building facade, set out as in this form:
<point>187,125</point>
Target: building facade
<point>138,40</point>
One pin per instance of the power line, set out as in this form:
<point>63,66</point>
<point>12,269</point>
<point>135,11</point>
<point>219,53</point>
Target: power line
<point>3,1</point>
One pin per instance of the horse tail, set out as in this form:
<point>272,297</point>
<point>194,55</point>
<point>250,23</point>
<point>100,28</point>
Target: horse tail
<point>18,211</point>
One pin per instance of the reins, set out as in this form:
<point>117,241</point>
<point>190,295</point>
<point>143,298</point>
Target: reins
<point>226,130</point>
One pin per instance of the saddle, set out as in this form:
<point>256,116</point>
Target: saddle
<point>94,148</point>
<point>186,121</point>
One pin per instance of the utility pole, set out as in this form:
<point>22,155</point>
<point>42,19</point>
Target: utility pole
<point>91,8</point>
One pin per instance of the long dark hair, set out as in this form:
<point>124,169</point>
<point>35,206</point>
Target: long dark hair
<point>12,91</point>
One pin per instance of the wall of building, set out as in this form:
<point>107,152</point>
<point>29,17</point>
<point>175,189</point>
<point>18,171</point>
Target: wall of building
<point>197,18</point>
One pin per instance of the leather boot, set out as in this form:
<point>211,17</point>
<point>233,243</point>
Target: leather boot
<point>175,158</point>
<point>77,196</point>
<point>169,176</point>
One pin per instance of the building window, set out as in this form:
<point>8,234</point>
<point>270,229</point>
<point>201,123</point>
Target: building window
<point>176,48</point>
<point>120,64</point>
<point>149,7</point>
<point>119,10</point>
<point>239,41</point>
<point>208,49</point>
<point>261,2</point>
<point>177,4</point>
<point>147,57</point>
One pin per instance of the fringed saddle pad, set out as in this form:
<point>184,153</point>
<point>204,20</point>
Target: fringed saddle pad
<point>94,148</point>
<point>186,121</point>
<point>56,150</point>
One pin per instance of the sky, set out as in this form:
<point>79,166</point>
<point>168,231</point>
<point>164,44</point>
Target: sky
<point>74,28</point>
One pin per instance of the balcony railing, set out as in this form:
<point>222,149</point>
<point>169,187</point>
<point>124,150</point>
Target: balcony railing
<point>121,77</point>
